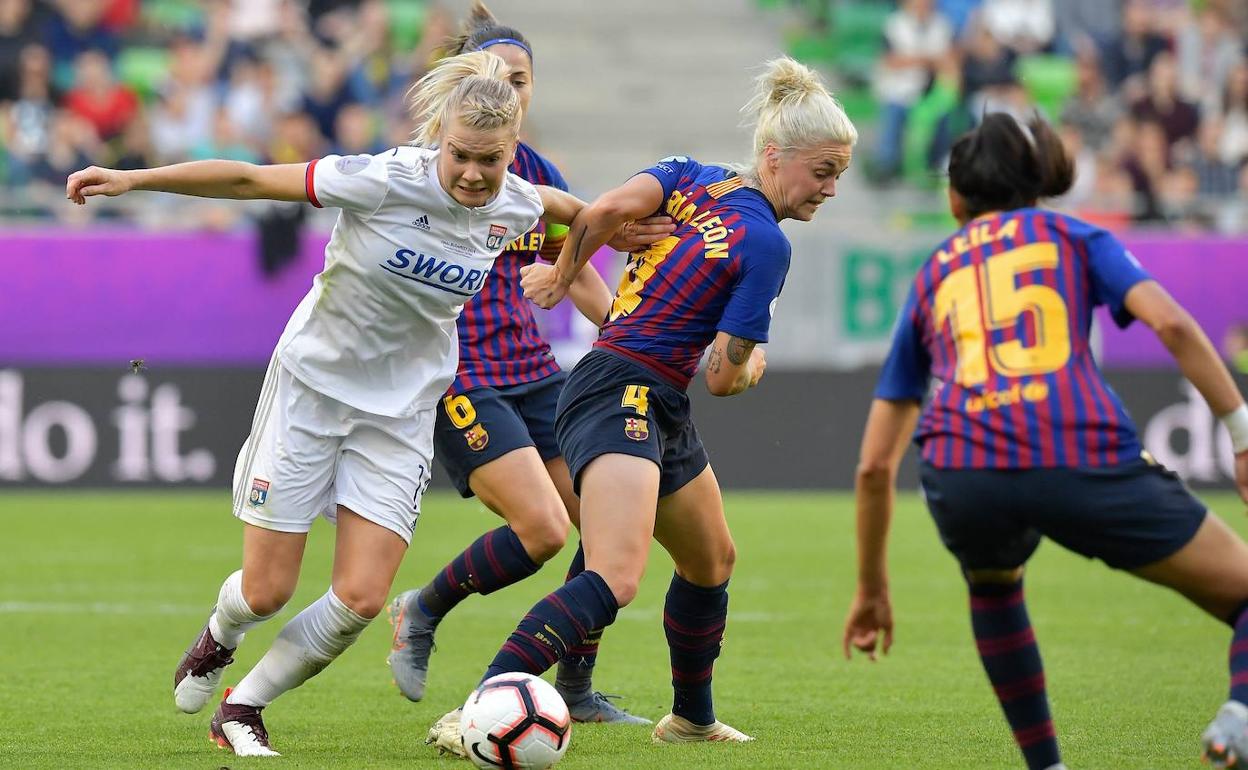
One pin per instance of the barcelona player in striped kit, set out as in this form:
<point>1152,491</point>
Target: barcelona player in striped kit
<point>624,423</point>
<point>494,431</point>
<point>1022,438</point>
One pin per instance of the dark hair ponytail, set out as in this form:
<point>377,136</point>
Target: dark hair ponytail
<point>1002,165</point>
<point>480,28</point>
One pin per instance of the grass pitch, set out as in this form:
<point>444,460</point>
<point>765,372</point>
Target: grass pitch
<point>101,592</point>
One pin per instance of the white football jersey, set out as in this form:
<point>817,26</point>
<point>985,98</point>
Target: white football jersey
<point>377,330</point>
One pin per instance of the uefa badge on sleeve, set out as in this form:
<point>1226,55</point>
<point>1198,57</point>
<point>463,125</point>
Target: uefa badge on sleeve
<point>259,492</point>
<point>636,429</point>
<point>497,234</point>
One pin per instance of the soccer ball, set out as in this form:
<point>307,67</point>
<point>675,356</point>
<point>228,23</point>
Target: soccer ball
<point>516,722</point>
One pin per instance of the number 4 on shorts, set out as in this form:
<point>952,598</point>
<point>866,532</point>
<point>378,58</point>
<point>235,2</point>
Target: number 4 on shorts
<point>636,397</point>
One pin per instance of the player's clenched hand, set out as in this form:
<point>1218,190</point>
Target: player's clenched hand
<point>94,180</point>
<point>870,617</point>
<point>543,285</point>
<point>1241,475</point>
<point>640,233</point>
<point>758,365</point>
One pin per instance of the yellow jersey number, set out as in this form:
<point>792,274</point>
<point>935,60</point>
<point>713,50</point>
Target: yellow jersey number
<point>460,411</point>
<point>637,397</point>
<point>641,268</point>
<point>978,298</point>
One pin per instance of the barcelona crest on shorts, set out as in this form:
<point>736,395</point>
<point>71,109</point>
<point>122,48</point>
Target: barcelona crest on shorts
<point>477,437</point>
<point>497,234</point>
<point>636,429</point>
<point>259,492</point>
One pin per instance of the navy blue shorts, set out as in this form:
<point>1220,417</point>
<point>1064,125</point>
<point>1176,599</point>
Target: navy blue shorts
<point>483,424</point>
<point>1127,516</point>
<point>612,405</point>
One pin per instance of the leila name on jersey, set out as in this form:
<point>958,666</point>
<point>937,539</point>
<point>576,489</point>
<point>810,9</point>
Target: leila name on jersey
<point>435,272</point>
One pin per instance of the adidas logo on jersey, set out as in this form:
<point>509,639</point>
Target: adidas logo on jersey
<point>422,223</point>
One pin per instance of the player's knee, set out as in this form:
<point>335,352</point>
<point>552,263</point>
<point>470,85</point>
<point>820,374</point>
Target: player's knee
<point>543,531</point>
<point>365,601</point>
<point>266,597</point>
<point>623,585</point>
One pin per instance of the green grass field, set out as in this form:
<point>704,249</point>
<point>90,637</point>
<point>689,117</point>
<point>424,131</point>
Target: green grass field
<point>100,593</point>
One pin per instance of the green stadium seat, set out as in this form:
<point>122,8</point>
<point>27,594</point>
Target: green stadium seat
<point>172,14</point>
<point>921,124</point>
<point>407,23</point>
<point>143,69</point>
<point>858,36</point>
<point>1049,80</point>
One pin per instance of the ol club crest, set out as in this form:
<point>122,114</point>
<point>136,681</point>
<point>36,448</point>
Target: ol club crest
<point>497,234</point>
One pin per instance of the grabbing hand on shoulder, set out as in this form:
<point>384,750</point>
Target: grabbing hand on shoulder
<point>640,233</point>
<point>94,180</point>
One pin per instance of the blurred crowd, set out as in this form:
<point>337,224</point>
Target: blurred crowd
<point>135,83</point>
<point>1151,96</point>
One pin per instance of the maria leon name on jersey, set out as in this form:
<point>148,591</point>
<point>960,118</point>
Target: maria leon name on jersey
<point>435,272</point>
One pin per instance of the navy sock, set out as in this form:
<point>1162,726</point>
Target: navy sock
<point>496,560</point>
<point>693,620</point>
<point>1239,658</point>
<point>1011,658</point>
<point>574,676</point>
<point>564,618</point>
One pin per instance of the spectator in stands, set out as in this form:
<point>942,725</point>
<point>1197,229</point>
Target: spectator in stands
<point>1163,104</point>
<point>72,142</point>
<point>355,132</point>
<point>296,138</point>
<point>30,117</point>
<point>19,29</point>
<point>916,39</point>
<point>1214,177</point>
<point>959,13</point>
<point>250,97</point>
<point>1207,50</point>
<point>988,80</point>
<point>1085,27</point>
<point>1234,111</point>
<point>1145,162</point>
<point>97,98</point>
<point>225,142</point>
<point>135,150</point>
<point>1133,52</point>
<point>1093,108</point>
<point>1023,26</point>
<point>78,26</point>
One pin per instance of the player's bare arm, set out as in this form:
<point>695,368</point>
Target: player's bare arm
<point>639,197</point>
<point>202,178</point>
<point>733,365</point>
<point>884,441</point>
<point>1199,362</point>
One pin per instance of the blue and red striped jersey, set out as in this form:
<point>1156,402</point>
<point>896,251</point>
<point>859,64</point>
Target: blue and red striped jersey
<point>999,316</point>
<point>721,270</point>
<point>499,343</point>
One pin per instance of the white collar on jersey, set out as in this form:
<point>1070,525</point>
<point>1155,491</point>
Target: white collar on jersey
<point>452,204</point>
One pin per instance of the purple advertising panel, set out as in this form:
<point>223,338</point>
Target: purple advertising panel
<point>1207,275</point>
<point>107,297</point>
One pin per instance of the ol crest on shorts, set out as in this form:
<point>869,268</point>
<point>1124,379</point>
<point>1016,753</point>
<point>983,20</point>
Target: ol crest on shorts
<point>259,492</point>
<point>497,234</point>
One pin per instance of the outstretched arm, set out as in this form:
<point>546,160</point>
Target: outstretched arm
<point>203,178</point>
<point>595,224</point>
<point>1199,362</point>
<point>889,425</point>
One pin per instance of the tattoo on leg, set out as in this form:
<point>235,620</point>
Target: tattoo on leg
<point>739,350</point>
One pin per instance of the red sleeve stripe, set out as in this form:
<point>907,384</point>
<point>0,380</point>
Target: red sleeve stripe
<point>309,186</point>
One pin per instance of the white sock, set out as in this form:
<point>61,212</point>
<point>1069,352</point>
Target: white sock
<point>233,617</point>
<point>306,644</point>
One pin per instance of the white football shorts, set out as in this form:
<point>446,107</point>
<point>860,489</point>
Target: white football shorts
<point>309,453</point>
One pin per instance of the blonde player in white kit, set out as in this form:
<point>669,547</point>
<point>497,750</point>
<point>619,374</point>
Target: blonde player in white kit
<point>344,424</point>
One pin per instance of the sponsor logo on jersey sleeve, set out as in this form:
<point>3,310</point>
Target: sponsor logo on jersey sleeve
<point>352,164</point>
